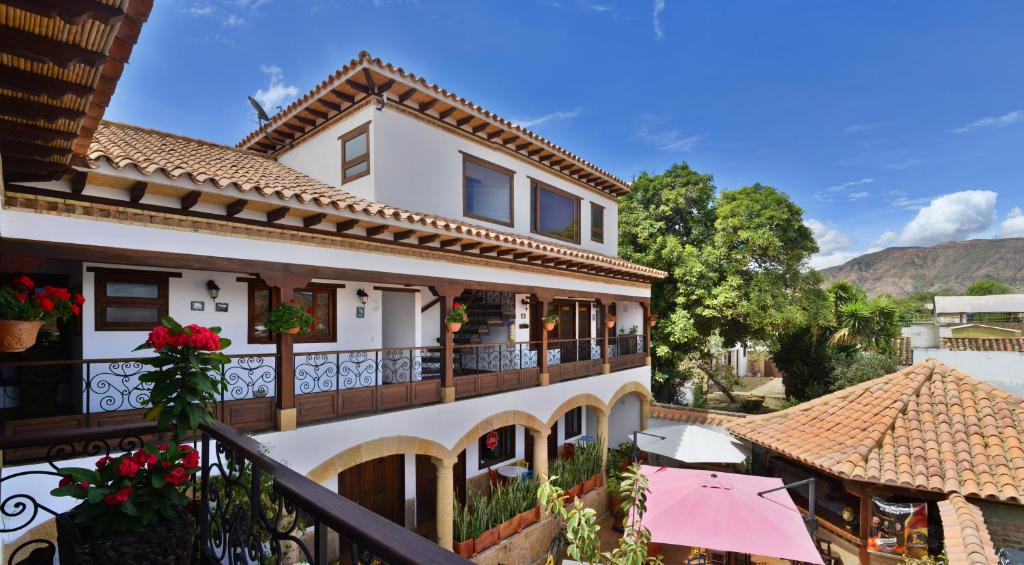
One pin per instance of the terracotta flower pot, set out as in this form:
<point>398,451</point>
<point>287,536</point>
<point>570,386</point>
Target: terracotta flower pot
<point>465,549</point>
<point>599,480</point>
<point>171,540</point>
<point>454,326</point>
<point>529,518</point>
<point>549,326</point>
<point>18,335</point>
<point>292,331</point>
<point>589,484</point>
<point>574,492</point>
<point>509,527</point>
<point>486,540</point>
<point>609,323</point>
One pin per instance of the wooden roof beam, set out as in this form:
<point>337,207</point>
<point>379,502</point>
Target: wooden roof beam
<point>137,192</point>
<point>522,146</point>
<point>428,104</point>
<point>446,243</point>
<point>403,235</point>
<point>45,50</point>
<point>470,245</point>
<point>488,249</point>
<point>534,152</point>
<point>385,86</point>
<point>375,231</point>
<point>35,167</point>
<point>428,239</point>
<point>314,220</point>
<point>346,225</point>
<point>463,121</point>
<point>27,148</point>
<point>444,114</point>
<point>343,96</point>
<point>480,127</point>
<point>235,208</point>
<point>304,120</point>
<point>277,214</point>
<point>494,134</point>
<point>329,105</point>
<point>33,110</point>
<point>504,252</point>
<point>406,95</point>
<point>359,87</point>
<point>28,82</point>
<point>78,181</point>
<point>190,199</point>
<point>20,131</point>
<point>370,84</point>
<point>71,12</point>
<point>317,113</point>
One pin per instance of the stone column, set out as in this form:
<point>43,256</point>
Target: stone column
<point>445,502</point>
<point>540,453</point>
<point>645,411</point>
<point>602,434</point>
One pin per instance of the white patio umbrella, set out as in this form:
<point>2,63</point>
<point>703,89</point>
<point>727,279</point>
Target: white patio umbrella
<point>693,443</point>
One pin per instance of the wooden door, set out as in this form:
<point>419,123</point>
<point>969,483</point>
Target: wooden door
<point>426,490</point>
<point>583,329</point>
<point>566,330</point>
<point>377,485</point>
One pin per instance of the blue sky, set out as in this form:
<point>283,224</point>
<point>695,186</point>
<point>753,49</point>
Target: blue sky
<point>889,122</point>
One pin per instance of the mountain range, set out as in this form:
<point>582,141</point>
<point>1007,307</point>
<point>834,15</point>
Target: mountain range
<point>951,266</point>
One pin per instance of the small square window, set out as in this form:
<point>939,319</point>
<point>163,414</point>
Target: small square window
<point>503,451</point>
<point>596,223</point>
<point>130,300</point>
<point>355,153</point>
<point>319,301</point>
<point>487,191</point>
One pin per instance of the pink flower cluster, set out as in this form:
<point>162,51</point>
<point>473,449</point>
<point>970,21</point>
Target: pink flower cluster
<point>198,337</point>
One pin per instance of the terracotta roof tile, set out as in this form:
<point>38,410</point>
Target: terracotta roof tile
<point>926,427</point>
<point>966,535</point>
<point>904,351</point>
<point>150,151</point>
<point>693,415</point>
<point>982,343</point>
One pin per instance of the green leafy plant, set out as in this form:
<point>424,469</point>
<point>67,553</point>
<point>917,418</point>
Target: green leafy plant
<point>23,301</point>
<point>458,315</point>
<point>463,523</point>
<point>286,317</point>
<point>131,491</point>
<point>187,378</point>
<point>551,317</point>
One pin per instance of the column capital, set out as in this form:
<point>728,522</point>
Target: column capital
<point>539,434</point>
<point>445,465</point>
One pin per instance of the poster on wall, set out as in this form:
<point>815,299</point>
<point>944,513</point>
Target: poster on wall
<point>899,528</point>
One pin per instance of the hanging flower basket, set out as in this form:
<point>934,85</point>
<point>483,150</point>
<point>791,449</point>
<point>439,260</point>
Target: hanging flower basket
<point>550,320</point>
<point>25,308</point>
<point>609,322</point>
<point>456,318</point>
<point>654,320</point>
<point>288,319</point>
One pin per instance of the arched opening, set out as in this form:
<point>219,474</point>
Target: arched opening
<point>627,412</point>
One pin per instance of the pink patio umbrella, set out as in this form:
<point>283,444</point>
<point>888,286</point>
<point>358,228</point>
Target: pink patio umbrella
<point>723,512</point>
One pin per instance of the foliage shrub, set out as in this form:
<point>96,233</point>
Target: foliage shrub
<point>860,366</point>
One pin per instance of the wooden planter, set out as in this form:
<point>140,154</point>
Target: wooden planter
<point>454,327</point>
<point>170,541</point>
<point>486,540</point>
<point>464,549</point>
<point>508,528</point>
<point>18,335</point>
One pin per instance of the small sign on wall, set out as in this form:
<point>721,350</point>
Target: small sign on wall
<point>198,305</point>
<point>221,307</point>
<point>360,311</point>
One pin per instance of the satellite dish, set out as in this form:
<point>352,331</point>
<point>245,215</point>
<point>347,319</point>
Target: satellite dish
<point>261,114</point>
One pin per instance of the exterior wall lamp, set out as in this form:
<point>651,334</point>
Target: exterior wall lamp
<point>213,289</point>
<point>363,297</point>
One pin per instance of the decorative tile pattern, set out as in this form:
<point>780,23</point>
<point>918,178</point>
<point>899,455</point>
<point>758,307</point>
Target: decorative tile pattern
<point>927,427</point>
<point>966,536</point>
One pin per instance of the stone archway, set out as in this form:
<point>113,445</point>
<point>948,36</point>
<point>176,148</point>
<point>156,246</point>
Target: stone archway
<point>509,418</point>
<point>584,399</point>
<point>374,449</point>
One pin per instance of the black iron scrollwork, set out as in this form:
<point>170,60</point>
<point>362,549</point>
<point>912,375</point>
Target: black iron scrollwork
<point>250,377</point>
<point>117,387</point>
<point>316,372</point>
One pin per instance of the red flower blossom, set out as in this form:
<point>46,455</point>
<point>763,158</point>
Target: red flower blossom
<point>127,468</point>
<point>185,448</point>
<point>102,462</point>
<point>191,460</point>
<point>143,458</point>
<point>44,303</point>
<point>25,281</point>
<point>79,299</point>
<point>75,309</point>
<point>165,464</point>
<point>65,481</point>
<point>176,476</point>
<point>21,296</point>
<point>162,447</point>
<point>456,306</point>
<point>119,497</point>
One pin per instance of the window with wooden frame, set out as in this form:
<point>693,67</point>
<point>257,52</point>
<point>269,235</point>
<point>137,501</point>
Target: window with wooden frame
<point>129,300</point>
<point>319,300</point>
<point>355,153</point>
<point>596,222</point>
<point>574,423</point>
<point>556,213</point>
<point>487,191</point>
<point>503,451</point>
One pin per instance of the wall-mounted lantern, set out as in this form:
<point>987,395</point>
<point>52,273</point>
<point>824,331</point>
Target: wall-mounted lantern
<point>363,297</point>
<point>213,289</point>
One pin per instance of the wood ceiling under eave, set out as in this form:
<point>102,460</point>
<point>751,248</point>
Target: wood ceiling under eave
<point>60,61</point>
<point>367,83</point>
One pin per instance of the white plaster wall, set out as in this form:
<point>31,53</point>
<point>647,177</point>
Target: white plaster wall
<point>419,167</point>
<point>445,424</point>
<point>1001,369</point>
<point>46,227</point>
<point>922,334</point>
<point>401,319</point>
<point>629,314</point>
<point>320,157</point>
<point>473,468</point>
<point>624,420</point>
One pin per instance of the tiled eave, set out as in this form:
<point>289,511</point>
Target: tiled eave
<point>367,79</point>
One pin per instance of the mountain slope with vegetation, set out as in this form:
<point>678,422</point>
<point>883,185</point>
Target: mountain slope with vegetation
<point>949,266</point>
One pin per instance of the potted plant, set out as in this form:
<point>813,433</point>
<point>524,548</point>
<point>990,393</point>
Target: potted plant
<point>464,535</point>
<point>609,321</point>
<point>653,320</point>
<point>456,317</point>
<point>132,504</point>
<point>550,320</point>
<point>481,514</point>
<point>506,514</point>
<point>24,309</point>
<point>288,319</point>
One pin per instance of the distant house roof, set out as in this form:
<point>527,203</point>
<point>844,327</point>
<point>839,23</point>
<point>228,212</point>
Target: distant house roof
<point>965,534</point>
<point>979,304</point>
<point>927,427</point>
<point>997,329</point>
<point>242,171</point>
<point>688,415</point>
<point>982,343</point>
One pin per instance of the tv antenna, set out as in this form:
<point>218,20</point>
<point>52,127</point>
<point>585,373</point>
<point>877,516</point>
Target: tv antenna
<point>261,114</point>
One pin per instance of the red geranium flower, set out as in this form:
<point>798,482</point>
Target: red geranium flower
<point>143,458</point>
<point>25,281</point>
<point>185,447</point>
<point>65,481</point>
<point>21,296</point>
<point>75,309</point>
<point>127,468</point>
<point>79,299</point>
<point>45,303</point>
<point>162,447</point>
<point>176,476</point>
<point>102,462</point>
<point>119,497</point>
<point>191,460</point>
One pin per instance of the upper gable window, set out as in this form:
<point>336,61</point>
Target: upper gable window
<point>487,191</point>
<point>556,213</point>
<point>355,153</point>
<point>130,300</point>
<point>596,222</point>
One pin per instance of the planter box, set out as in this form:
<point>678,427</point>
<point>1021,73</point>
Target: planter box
<point>574,492</point>
<point>167,543</point>
<point>529,518</point>
<point>508,528</point>
<point>589,484</point>
<point>464,549</point>
<point>486,540</point>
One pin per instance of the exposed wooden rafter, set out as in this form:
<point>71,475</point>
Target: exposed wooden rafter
<point>314,220</point>
<point>277,214</point>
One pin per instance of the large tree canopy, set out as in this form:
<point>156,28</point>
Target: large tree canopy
<point>735,263</point>
<point>986,287</point>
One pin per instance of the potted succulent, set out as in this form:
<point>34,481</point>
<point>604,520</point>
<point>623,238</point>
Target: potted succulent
<point>132,504</point>
<point>609,321</point>
<point>550,320</point>
<point>456,317</point>
<point>288,319</point>
<point>24,308</point>
<point>463,530</point>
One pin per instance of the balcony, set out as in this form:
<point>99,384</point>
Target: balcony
<point>289,519</point>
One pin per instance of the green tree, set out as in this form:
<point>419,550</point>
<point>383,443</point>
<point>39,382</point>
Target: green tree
<point>985,287</point>
<point>734,264</point>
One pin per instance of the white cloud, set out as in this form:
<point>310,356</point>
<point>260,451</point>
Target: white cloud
<point>200,10</point>
<point>850,184</point>
<point>951,217</point>
<point>829,239</point>
<point>232,20</point>
<point>1013,225</point>
<point>857,128</point>
<point>904,164</point>
<point>992,121</point>
<point>556,116</point>
<point>858,195</point>
<point>652,133</point>
<point>277,92</point>
<point>659,6</point>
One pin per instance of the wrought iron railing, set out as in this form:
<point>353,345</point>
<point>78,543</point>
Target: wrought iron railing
<point>250,508</point>
<point>32,389</point>
<point>494,357</point>
<point>326,371</point>
<point>626,344</point>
